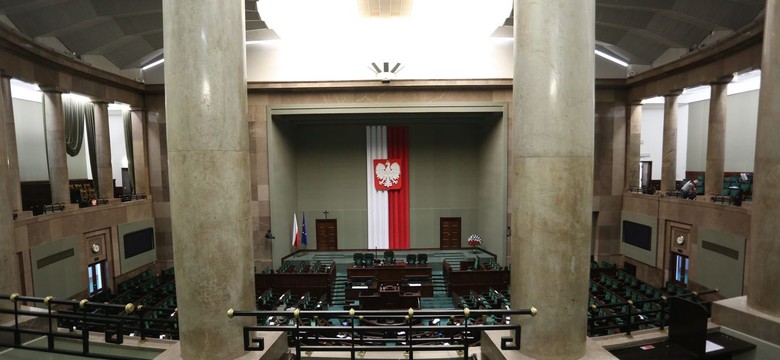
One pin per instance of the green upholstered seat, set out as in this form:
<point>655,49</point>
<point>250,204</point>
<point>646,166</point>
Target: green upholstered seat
<point>357,259</point>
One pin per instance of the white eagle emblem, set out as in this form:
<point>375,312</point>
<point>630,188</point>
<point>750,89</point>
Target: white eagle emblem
<point>387,173</point>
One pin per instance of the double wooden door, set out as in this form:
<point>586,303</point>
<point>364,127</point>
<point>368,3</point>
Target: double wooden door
<point>327,235</point>
<point>449,233</point>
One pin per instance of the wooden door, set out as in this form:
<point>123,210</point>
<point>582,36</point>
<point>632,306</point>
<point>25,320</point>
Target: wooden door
<point>327,235</point>
<point>449,233</point>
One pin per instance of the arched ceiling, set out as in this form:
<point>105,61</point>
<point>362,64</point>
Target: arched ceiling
<point>128,33</point>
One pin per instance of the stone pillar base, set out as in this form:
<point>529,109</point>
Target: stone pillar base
<point>735,314</point>
<point>491,349</point>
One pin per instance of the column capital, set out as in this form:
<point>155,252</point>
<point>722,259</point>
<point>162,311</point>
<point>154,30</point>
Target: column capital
<point>136,108</point>
<point>722,80</point>
<point>673,93</point>
<point>99,101</point>
<point>635,103</point>
<point>52,89</point>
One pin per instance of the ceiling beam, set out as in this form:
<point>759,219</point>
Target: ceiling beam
<point>645,34</point>
<point>33,5</point>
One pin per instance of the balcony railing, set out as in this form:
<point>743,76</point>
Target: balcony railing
<point>400,330</point>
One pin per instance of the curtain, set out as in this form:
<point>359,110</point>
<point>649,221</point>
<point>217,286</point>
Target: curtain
<point>129,149</point>
<point>398,200</point>
<point>74,125</point>
<point>88,109</point>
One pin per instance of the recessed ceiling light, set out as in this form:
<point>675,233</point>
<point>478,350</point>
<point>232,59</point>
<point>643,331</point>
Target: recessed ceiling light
<point>149,66</point>
<point>611,58</point>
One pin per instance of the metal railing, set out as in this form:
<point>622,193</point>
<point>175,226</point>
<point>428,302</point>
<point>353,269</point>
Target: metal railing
<point>52,208</point>
<point>402,327</point>
<point>629,318</point>
<point>112,320</point>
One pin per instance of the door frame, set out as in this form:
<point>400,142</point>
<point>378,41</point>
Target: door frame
<point>460,228</point>
<point>317,223</point>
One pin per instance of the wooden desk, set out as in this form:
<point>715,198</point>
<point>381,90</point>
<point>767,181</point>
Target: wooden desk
<point>390,297</point>
<point>390,273</point>
<point>669,350</point>
<point>353,292</point>
<point>315,283</point>
<point>424,288</point>
<point>463,281</point>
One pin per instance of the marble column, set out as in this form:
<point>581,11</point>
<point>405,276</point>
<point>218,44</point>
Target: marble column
<point>764,243</point>
<point>138,121</point>
<point>9,280</point>
<point>669,159</point>
<point>7,120</point>
<point>552,176</point>
<point>208,160</point>
<point>716,137</point>
<point>54,121</point>
<point>105,173</point>
<point>633,143</point>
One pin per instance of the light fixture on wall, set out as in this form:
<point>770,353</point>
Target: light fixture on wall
<point>386,70</point>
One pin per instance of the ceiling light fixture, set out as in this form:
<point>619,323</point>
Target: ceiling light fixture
<point>149,66</point>
<point>386,71</point>
<point>611,58</point>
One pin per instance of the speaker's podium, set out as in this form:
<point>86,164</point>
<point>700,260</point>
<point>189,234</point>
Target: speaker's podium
<point>688,338</point>
<point>390,297</point>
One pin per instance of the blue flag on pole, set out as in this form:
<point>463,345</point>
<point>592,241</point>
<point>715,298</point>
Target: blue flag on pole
<point>303,235</point>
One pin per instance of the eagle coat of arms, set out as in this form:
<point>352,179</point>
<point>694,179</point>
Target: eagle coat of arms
<point>387,174</point>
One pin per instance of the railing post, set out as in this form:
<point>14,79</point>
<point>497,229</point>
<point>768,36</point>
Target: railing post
<point>352,338</point>
<point>630,320</point>
<point>296,332</point>
<point>49,336</point>
<point>141,331</point>
<point>17,335</point>
<point>465,335</point>
<point>84,328</point>
<point>409,333</point>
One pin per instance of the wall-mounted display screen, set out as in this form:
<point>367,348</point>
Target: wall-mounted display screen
<point>139,242</point>
<point>637,234</point>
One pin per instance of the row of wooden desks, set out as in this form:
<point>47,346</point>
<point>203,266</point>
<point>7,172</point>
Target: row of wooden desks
<point>390,273</point>
<point>353,290</point>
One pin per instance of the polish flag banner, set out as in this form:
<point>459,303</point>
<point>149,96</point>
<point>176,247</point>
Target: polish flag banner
<point>387,186</point>
<point>387,174</point>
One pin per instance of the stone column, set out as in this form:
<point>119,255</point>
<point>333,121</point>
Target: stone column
<point>552,160</point>
<point>7,120</point>
<point>633,143</point>
<point>716,137</point>
<point>140,161</point>
<point>764,243</point>
<point>9,282</point>
<point>208,159</point>
<point>54,120</point>
<point>669,160</point>
<point>105,173</point>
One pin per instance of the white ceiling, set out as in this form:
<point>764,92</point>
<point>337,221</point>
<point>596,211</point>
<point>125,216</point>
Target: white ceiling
<point>123,35</point>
